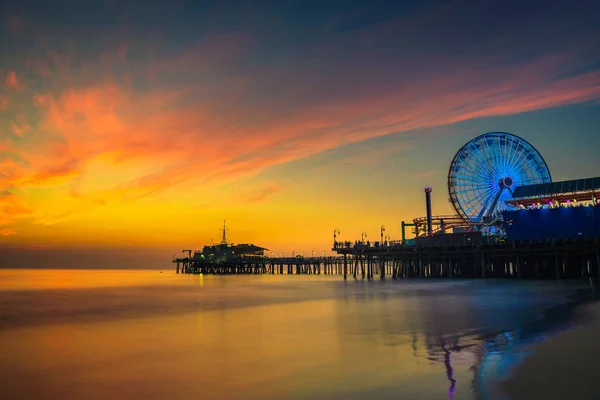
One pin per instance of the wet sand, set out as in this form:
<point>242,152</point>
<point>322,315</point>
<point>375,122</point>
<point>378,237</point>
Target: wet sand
<point>565,366</point>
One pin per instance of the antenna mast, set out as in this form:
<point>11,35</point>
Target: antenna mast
<point>224,239</point>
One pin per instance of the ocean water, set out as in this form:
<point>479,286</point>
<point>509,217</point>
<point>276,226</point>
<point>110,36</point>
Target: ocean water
<point>98,334</point>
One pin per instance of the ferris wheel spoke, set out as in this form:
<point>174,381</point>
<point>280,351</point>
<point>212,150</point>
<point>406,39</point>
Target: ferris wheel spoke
<point>492,148</point>
<point>522,160</point>
<point>476,202</point>
<point>500,159</point>
<point>473,197</point>
<point>476,208</point>
<point>493,162</point>
<point>509,145</point>
<point>470,208</point>
<point>520,168</point>
<point>528,170</point>
<point>473,205</point>
<point>502,153</point>
<point>497,151</point>
<point>484,198</point>
<point>468,170</point>
<point>484,163</point>
<point>471,180</point>
<point>511,161</point>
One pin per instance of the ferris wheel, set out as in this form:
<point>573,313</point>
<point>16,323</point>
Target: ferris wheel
<point>485,171</point>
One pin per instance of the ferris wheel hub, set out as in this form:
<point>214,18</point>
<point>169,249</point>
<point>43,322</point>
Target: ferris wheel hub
<point>506,182</point>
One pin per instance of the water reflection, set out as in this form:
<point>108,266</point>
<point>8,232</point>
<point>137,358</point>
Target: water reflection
<point>280,338</point>
<point>478,332</point>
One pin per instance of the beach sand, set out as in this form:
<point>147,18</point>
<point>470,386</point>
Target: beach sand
<point>566,366</point>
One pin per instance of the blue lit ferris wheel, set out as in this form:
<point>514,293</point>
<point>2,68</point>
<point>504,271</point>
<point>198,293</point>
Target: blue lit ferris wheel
<point>485,171</point>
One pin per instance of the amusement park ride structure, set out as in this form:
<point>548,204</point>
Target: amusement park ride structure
<point>482,179</point>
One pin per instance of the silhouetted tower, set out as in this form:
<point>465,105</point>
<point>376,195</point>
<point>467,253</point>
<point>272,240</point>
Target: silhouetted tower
<point>224,239</point>
<point>428,204</point>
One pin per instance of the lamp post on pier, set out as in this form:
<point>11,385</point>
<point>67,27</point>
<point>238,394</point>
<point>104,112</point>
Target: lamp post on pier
<point>336,232</point>
<point>364,235</point>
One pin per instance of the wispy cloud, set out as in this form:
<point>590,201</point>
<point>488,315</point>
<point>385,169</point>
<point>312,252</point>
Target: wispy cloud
<point>429,174</point>
<point>12,208</point>
<point>211,113</point>
<point>261,194</point>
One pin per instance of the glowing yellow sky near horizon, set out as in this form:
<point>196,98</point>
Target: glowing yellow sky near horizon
<point>286,216</point>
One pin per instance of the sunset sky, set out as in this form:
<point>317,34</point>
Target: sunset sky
<point>131,130</point>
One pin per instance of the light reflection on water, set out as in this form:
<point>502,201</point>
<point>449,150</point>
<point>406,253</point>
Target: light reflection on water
<point>150,335</point>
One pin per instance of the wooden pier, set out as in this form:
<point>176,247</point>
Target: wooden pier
<point>262,265</point>
<point>539,260</point>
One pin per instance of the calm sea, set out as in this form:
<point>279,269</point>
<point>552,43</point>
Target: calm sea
<point>100,334</point>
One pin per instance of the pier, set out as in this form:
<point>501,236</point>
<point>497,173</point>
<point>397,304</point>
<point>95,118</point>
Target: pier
<point>262,265</point>
<point>511,221</point>
<point>523,260</point>
<point>535,260</point>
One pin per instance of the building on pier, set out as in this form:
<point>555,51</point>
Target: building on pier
<point>226,250</point>
<point>229,251</point>
<point>577,192</point>
<point>553,211</point>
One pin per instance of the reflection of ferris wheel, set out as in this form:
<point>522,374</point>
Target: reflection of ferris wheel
<point>485,171</point>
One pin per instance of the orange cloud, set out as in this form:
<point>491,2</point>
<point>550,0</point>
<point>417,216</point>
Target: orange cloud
<point>12,208</point>
<point>202,142</point>
<point>7,232</point>
<point>205,115</point>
